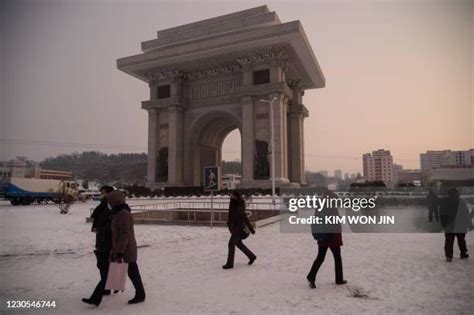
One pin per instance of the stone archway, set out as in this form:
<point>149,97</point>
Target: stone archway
<point>203,147</point>
<point>210,77</point>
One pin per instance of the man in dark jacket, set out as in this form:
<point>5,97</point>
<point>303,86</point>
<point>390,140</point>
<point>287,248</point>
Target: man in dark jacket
<point>330,238</point>
<point>239,227</point>
<point>432,205</point>
<point>456,221</point>
<point>124,245</point>
<point>101,220</point>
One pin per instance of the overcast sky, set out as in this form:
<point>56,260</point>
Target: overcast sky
<point>399,76</point>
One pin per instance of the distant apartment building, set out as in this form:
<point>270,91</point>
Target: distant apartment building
<point>378,166</point>
<point>446,159</point>
<point>338,174</point>
<point>447,166</point>
<point>461,158</point>
<point>397,169</point>
<point>346,176</point>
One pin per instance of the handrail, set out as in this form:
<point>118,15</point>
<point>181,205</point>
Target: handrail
<point>188,205</point>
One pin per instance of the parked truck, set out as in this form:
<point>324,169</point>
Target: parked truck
<point>25,191</point>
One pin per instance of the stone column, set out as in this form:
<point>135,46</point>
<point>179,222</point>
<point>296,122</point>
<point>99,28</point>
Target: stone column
<point>175,145</point>
<point>296,149</point>
<point>152,146</point>
<point>279,146</point>
<point>248,139</point>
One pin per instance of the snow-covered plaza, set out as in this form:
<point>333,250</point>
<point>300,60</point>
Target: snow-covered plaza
<point>48,256</point>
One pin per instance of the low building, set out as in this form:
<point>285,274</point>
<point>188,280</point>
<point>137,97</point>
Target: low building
<point>446,159</point>
<point>52,174</point>
<point>450,177</point>
<point>410,177</point>
<point>230,181</point>
<point>12,168</point>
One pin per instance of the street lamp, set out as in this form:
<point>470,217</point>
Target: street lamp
<point>272,144</point>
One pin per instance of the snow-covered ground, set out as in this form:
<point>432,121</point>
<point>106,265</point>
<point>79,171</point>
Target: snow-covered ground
<point>48,256</point>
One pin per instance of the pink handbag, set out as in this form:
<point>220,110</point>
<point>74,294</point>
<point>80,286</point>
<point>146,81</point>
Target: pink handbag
<point>117,276</point>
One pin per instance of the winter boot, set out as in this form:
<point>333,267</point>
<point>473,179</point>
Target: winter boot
<point>312,283</point>
<point>90,302</point>
<point>139,298</point>
<point>252,260</point>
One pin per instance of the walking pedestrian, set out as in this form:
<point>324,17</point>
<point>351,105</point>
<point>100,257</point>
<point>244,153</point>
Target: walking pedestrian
<point>456,221</point>
<point>240,228</point>
<point>432,204</point>
<point>101,226</point>
<point>124,245</point>
<point>331,238</point>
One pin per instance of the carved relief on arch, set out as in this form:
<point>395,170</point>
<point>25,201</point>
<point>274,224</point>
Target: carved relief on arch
<point>205,73</point>
<point>265,55</point>
<point>214,88</point>
<point>156,75</point>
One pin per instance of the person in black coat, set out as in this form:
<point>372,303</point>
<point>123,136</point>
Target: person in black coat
<point>101,226</point>
<point>240,228</point>
<point>329,236</point>
<point>456,221</point>
<point>432,204</point>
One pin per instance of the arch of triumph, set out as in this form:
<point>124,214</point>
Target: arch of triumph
<point>213,76</point>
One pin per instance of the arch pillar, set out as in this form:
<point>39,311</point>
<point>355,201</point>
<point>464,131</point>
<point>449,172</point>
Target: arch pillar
<point>175,153</point>
<point>153,126</point>
<point>247,140</point>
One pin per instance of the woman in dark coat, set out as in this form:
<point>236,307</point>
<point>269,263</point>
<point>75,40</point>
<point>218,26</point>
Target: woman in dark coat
<point>124,245</point>
<point>331,240</point>
<point>101,225</point>
<point>239,227</point>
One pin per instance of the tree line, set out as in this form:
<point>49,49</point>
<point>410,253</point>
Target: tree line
<point>124,168</point>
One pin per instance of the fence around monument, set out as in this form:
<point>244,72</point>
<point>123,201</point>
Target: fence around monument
<point>198,211</point>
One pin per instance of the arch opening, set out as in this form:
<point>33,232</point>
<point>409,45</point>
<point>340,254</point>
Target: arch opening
<point>207,137</point>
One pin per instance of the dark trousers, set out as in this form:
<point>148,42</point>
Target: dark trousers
<point>336,252</point>
<point>433,211</point>
<point>449,243</point>
<point>103,266</point>
<point>236,240</point>
<point>134,275</point>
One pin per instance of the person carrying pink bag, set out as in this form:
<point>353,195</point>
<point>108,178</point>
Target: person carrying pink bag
<point>124,249</point>
<point>124,245</point>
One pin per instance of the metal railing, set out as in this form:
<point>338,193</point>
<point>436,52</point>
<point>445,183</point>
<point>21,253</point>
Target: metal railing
<point>255,203</point>
<point>199,211</point>
<point>205,205</point>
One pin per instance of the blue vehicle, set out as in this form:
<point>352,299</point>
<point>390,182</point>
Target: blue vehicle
<point>25,191</point>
